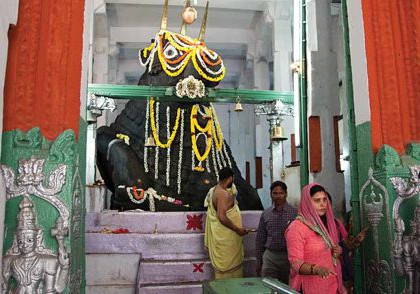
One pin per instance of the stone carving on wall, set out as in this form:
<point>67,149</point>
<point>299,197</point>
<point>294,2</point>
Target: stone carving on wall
<point>35,268</point>
<point>30,181</point>
<point>374,197</point>
<point>407,247</point>
<point>76,278</point>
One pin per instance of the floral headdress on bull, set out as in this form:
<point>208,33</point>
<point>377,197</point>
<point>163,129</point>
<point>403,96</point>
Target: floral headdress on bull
<point>174,51</point>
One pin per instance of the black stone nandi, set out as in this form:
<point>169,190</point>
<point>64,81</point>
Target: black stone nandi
<point>190,145</point>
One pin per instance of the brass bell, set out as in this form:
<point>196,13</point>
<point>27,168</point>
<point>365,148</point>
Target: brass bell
<point>238,106</point>
<point>277,134</point>
<point>150,142</point>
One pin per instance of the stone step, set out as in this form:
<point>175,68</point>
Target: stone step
<point>112,269</point>
<point>183,271</point>
<point>172,289</point>
<point>110,289</point>
<point>157,246</point>
<point>157,222</point>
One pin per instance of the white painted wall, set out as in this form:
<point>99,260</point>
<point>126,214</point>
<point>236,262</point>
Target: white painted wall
<point>323,94</point>
<point>358,61</point>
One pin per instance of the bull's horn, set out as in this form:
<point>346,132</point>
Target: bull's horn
<point>164,23</point>
<point>203,24</point>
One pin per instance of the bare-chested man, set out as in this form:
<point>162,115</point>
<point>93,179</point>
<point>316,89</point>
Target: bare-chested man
<point>224,231</point>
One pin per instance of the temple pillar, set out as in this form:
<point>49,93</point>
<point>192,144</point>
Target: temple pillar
<point>43,139</point>
<point>262,126</point>
<point>323,102</point>
<point>8,16</point>
<point>283,81</point>
<point>387,124</point>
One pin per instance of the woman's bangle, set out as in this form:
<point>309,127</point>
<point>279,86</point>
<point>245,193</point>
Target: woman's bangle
<point>313,269</point>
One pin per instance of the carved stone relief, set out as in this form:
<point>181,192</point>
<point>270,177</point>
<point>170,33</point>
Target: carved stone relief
<point>407,247</point>
<point>35,268</point>
<point>374,197</point>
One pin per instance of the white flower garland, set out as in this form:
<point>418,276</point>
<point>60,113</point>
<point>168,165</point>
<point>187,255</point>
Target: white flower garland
<point>218,160</point>
<point>213,156</point>
<point>168,153</point>
<point>204,65</point>
<point>227,155</point>
<point>146,137</point>
<point>130,195</point>
<point>151,195</point>
<point>192,159</point>
<point>222,157</point>
<point>181,144</point>
<point>157,148</point>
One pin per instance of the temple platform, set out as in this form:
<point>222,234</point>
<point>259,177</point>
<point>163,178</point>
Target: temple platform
<point>153,252</point>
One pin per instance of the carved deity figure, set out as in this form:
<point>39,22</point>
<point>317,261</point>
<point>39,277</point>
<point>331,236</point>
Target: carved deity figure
<point>35,268</point>
<point>407,252</point>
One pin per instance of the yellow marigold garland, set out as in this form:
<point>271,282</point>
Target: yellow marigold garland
<point>145,50</point>
<point>201,72</point>
<point>153,125</point>
<point>217,137</point>
<point>193,123</point>
<point>207,128</point>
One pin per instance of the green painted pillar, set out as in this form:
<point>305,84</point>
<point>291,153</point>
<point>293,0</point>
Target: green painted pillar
<point>390,193</point>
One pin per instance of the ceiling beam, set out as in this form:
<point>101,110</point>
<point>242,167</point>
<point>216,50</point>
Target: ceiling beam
<point>254,5</point>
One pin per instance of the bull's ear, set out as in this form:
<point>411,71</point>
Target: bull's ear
<point>204,24</point>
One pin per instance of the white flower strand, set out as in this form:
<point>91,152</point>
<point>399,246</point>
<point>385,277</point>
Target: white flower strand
<point>218,160</point>
<point>222,157</point>
<point>192,159</point>
<point>168,152</point>
<point>181,144</point>
<point>146,137</point>
<point>213,156</point>
<point>157,148</point>
<point>227,155</point>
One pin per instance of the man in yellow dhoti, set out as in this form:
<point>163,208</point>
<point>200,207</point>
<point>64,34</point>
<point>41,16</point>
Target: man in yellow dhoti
<point>224,231</point>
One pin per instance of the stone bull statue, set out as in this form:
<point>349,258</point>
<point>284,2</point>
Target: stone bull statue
<point>177,173</point>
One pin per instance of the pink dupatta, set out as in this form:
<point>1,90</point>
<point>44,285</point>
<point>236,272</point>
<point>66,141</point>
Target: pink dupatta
<point>308,215</point>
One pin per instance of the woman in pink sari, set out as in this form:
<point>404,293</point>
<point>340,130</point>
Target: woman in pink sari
<point>312,245</point>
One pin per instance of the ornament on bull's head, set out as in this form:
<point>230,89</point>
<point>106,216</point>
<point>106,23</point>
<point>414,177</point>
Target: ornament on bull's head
<point>180,56</point>
<point>188,15</point>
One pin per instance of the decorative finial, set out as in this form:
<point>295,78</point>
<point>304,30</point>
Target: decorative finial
<point>189,15</point>
<point>203,24</point>
<point>164,23</point>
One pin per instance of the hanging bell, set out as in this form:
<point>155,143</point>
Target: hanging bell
<point>238,106</point>
<point>277,134</point>
<point>150,142</point>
